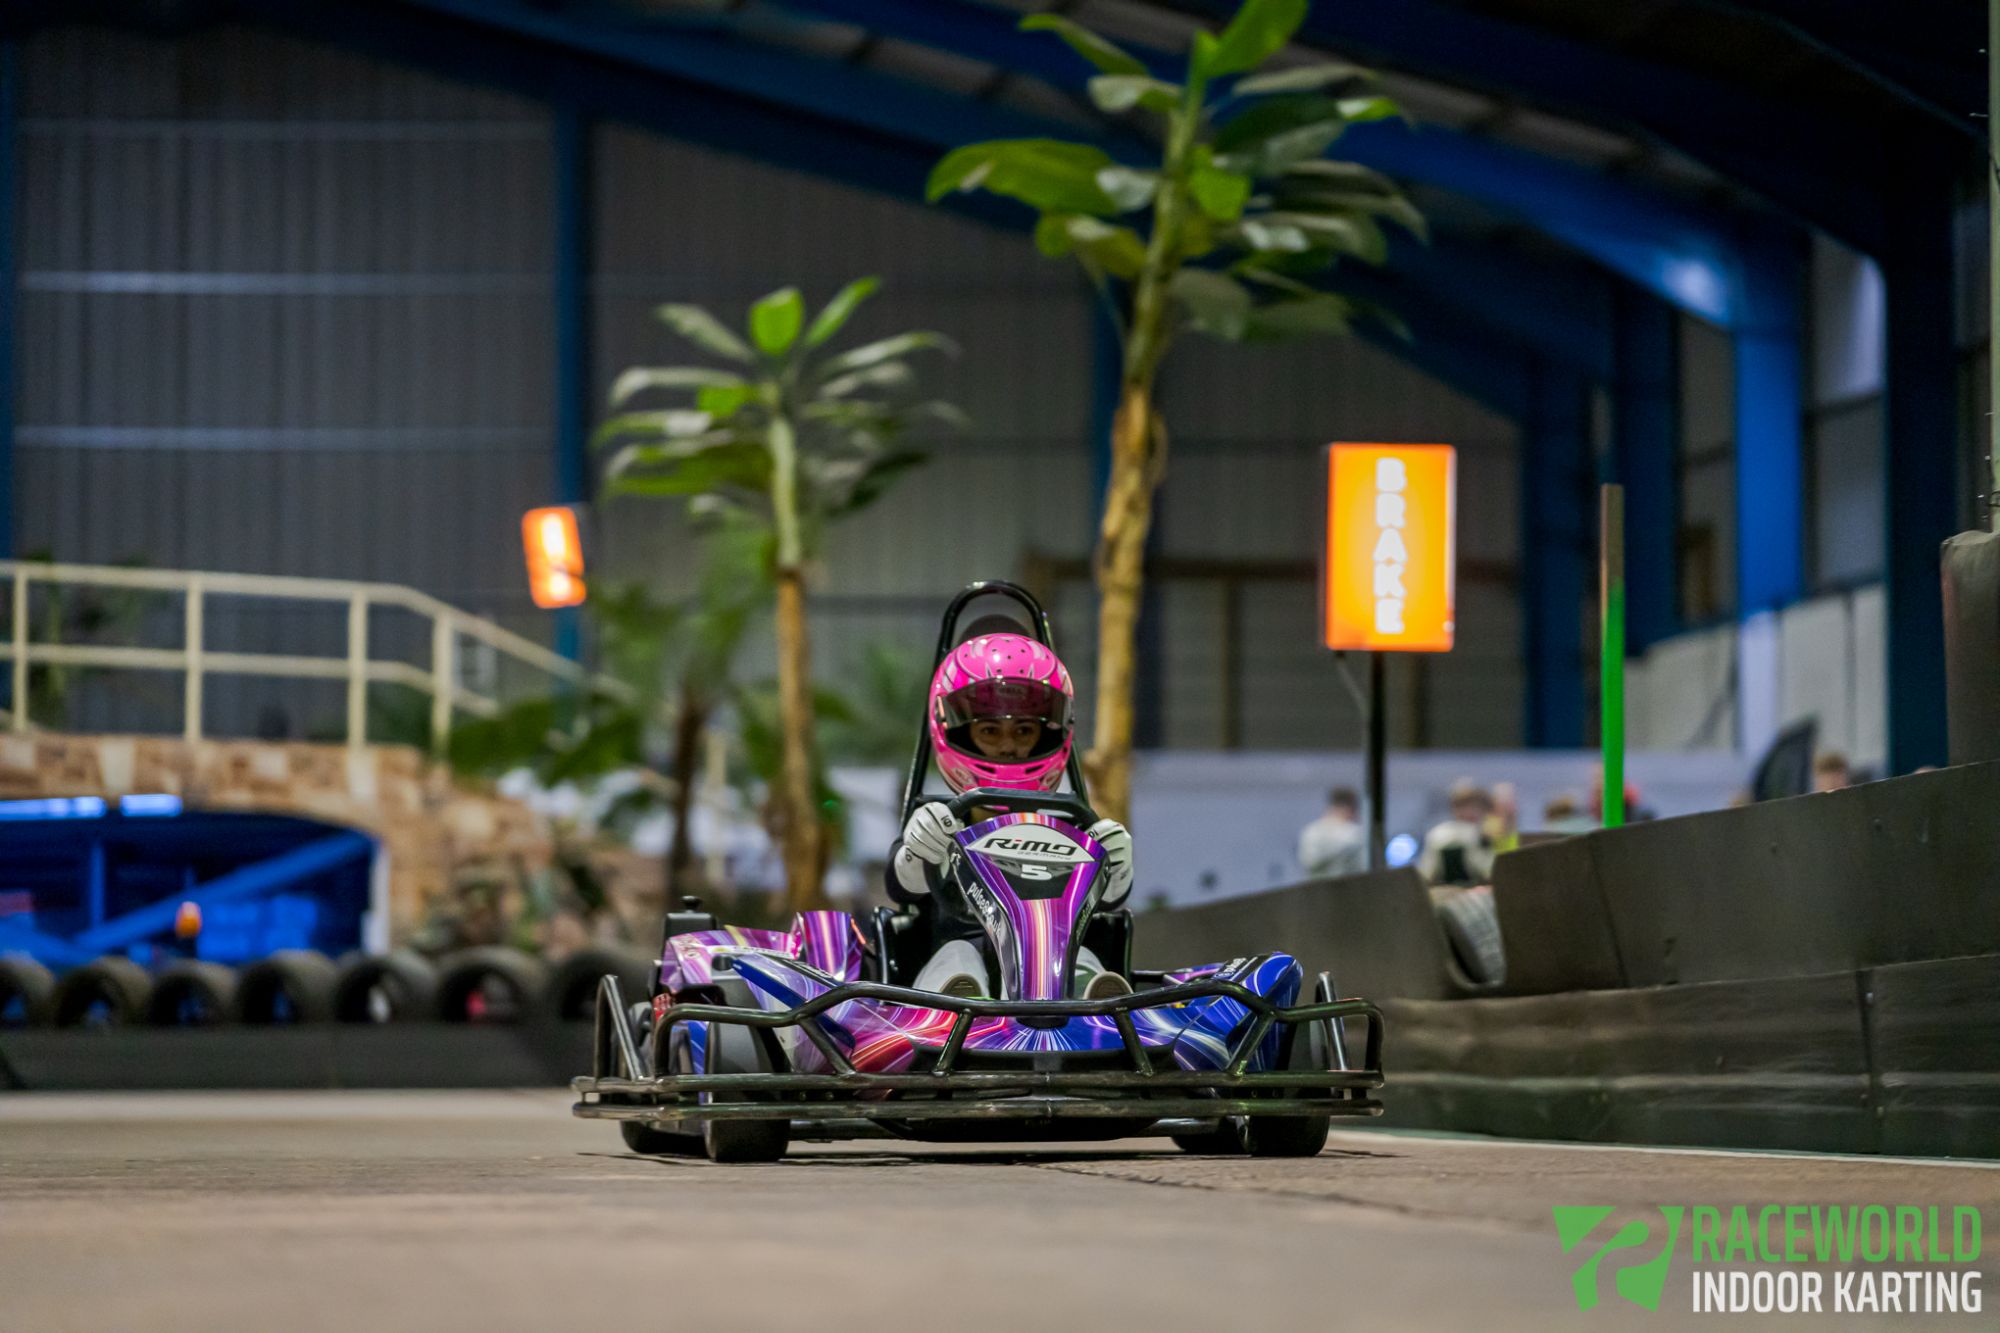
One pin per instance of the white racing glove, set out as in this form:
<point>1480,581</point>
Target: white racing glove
<point>1117,843</point>
<point>926,841</point>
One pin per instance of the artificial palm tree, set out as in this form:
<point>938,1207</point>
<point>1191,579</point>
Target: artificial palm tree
<point>1231,232</point>
<point>791,433</point>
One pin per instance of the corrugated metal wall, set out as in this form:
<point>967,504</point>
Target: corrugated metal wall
<point>286,310</point>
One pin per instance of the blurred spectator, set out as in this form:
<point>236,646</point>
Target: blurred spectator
<point>1335,843</point>
<point>1830,771</point>
<point>1503,821</point>
<point>1564,815</point>
<point>1458,850</point>
<point>1635,806</point>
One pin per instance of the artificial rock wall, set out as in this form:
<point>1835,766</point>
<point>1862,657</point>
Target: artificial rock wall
<point>431,828</point>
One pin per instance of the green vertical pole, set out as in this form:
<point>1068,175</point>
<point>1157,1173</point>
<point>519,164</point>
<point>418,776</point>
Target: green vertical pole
<point>1611,655</point>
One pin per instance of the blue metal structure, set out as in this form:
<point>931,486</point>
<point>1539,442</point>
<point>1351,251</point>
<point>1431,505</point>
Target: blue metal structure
<point>86,879</point>
<point>1876,175</point>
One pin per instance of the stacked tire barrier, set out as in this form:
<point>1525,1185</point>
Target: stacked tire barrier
<point>484,1017</point>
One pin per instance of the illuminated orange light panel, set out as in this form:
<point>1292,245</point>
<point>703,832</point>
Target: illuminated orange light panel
<point>555,557</point>
<point>1389,566</point>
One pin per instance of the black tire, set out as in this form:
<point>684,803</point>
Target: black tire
<point>107,992</point>
<point>1292,1135</point>
<point>1471,926</point>
<point>291,986</point>
<point>386,988</point>
<point>1225,1140</point>
<point>27,993</point>
<point>489,985</point>
<point>192,994</point>
<point>641,1137</point>
<point>571,993</point>
<point>735,1049</point>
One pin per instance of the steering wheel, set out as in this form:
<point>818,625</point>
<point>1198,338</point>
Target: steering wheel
<point>1072,808</point>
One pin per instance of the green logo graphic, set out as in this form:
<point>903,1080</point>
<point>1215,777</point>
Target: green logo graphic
<point>1640,1284</point>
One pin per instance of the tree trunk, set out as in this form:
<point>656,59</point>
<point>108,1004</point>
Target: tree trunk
<point>1121,562</point>
<point>688,727</point>
<point>800,810</point>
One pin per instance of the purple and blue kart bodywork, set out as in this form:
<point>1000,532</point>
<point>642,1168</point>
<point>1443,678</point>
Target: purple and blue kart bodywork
<point>757,1036</point>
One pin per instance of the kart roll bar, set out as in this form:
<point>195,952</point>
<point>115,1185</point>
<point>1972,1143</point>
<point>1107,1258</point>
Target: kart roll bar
<point>1037,625</point>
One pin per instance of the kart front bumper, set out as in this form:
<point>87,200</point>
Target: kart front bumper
<point>620,1088</point>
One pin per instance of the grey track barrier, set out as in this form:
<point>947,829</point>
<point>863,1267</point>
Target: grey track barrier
<point>1377,933</point>
<point>1897,871</point>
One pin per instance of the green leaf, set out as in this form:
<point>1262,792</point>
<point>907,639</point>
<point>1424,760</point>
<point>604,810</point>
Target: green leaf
<point>1280,115</point>
<point>882,375</point>
<point>1215,302</point>
<point>641,378</point>
<point>1117,250</point>
<point>1304,79</point>
<point>1128,189</point>
<point>776,319</point>
<point>1361,110</point>
<point>1097,50</point>
<point>741,463</point>
<point>1260,30</point>
<point>1338,175</point>
<point>1218,193</point>
<point>1121,92</point>
<point>1260,233</point>
<point>1382,315</point>
<point>704,330</point>
<point>1321,314</point>
<point>723,401</point>
<point>672,425</point>
<point>1346,233</point>
<point>1048,174</point>
<point>886,349</point>
<point>835,316</point>
<point>1392,206</point>
<point>873,479</point>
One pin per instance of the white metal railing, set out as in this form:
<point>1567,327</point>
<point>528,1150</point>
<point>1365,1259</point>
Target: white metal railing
<point>197,662</point>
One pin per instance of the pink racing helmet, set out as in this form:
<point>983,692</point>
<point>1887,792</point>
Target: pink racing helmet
<point>1001,677</point>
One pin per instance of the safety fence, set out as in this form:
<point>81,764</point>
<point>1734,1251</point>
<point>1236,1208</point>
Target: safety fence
<point>197,662</point>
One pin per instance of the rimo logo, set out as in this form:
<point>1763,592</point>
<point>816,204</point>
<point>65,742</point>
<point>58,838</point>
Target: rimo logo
<point>1052,847</point>
<point>1392,554</point>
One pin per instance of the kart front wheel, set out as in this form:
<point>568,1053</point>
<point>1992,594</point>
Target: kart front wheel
<point>641,1137</point>
<point>1285,1135</point>
<point>735,1049</point>
<point>1225,1140</point>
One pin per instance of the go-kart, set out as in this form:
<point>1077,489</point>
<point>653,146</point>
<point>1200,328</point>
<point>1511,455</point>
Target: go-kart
<point>753,1038</point>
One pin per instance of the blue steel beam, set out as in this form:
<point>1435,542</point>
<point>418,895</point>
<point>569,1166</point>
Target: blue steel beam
<point>1811,164</point>
<point>846,94</point>
<point>1770,467</point>
<point>1557,535</point>
<point>1645,455</point>
<point>573,408</point>
<point>1685,254</point>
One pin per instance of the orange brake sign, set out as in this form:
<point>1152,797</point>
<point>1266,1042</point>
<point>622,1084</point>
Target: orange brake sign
<point>1387,573</point>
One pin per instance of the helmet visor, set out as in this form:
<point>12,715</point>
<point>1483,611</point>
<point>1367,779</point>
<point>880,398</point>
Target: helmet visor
<point>1006,700</point>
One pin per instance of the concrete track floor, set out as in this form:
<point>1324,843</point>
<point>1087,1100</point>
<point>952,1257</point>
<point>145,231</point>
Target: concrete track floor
<point>497,1211</point>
